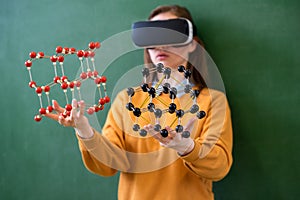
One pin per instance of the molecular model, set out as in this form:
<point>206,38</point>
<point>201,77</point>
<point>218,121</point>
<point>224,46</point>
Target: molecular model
<point>88,72</point>
<point>154,92</point>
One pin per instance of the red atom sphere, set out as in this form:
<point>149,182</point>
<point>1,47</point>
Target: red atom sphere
<point>97,45</point>
<point>64,85</point>
<point>41,54</point>
<point>28,63</point>
<point>80,53</point>
<point>102,101</point>
<point>72,50</point>
<point>32,54</point>
<point>53,58</point>
<point>68,113</point>
<point>66,50</point>
<point>90,74</point>
<point>83,75</point>
<point>98,108</point>
<point>95,73</point>
<point>103,79</point>
<point>37,118</point>
<point>64,78</point>
<point>38,90</point>
<point>32,84</point>
<point>92,54</point>
<point>90,110</point>
<point>47,88</point>
<point>86,54</point>
<point>59,49</point>
<point>92,45</point>
<point>71,84</point>
<point>68,107</point>
<point>42,111</point>
<point>61,59</point>
<point>50,108</point>
<point>78,84</point>
<point>56,79</point>
<point>107,99</point>
<point>98,80</point>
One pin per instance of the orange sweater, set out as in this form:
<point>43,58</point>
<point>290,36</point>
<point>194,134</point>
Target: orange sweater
<point>149,171</point>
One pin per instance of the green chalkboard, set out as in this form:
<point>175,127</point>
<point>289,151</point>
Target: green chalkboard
<point>255,44</point>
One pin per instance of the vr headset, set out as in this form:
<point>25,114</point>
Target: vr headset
<point>172,32</point>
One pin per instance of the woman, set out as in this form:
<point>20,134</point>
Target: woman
<point>156,167</point>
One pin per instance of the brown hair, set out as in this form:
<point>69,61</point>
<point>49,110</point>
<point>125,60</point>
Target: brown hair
<point>194,57</point>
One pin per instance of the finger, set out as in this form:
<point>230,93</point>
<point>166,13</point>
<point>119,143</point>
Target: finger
<point>52,116</point>
<point>150,129</point>
<point>81,105</point>
<point>74,103</point>
<point>156,135</point>
<point>60,120</point>
<point>57,107</point>
<point>74,110</point>
<point>172,133</point>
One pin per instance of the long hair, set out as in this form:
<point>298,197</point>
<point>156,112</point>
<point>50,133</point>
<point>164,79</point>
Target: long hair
<point>196,57</point>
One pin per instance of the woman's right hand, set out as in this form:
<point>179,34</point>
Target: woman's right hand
<point>76,118</point>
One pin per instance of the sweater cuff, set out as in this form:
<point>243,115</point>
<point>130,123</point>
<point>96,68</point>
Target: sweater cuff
<point>194,154</point>
<point>89,143</point>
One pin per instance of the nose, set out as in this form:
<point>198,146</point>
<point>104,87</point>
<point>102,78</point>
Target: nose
<point>161,48</point>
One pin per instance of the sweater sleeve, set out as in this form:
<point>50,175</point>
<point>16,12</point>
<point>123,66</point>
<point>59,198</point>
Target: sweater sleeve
<point>211,157</point>
<point>105,154</point>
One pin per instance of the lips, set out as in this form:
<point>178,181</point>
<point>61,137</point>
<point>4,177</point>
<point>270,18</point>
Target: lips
<point>162,56</point>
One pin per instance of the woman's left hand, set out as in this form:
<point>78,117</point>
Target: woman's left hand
<point>174,140</point>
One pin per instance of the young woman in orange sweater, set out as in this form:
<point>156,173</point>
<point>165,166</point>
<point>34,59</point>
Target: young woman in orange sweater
<point>155,165</point>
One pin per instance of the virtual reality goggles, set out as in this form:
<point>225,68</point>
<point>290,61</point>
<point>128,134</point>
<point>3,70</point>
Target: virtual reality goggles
<point>172,32</point>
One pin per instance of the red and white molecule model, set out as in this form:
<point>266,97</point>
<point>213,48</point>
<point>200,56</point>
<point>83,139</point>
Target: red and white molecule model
<point>88,72</point>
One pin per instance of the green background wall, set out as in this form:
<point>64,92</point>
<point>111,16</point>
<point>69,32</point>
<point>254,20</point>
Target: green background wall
<point>254,43</point>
